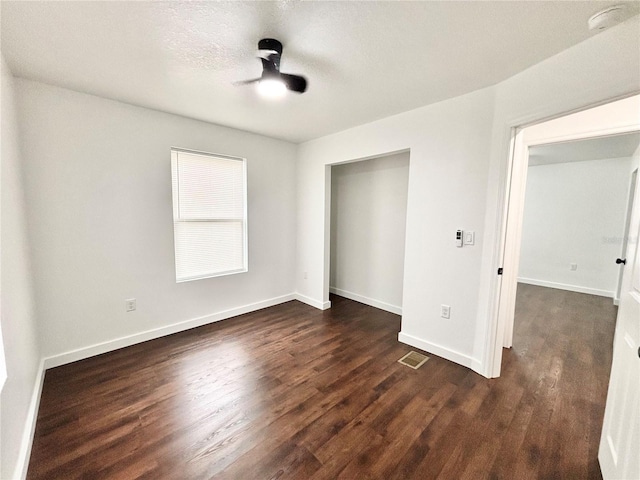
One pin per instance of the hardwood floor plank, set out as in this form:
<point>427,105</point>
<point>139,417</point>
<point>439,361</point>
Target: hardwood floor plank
<point>291,392</point>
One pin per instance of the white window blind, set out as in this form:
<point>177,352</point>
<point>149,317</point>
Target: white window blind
<point>209,214</point>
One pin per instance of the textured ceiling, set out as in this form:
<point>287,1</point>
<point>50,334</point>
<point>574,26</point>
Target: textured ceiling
<point>363,60</point>
<point>616,146</point>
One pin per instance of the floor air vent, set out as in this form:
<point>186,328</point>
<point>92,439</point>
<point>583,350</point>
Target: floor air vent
<point>414,360</point>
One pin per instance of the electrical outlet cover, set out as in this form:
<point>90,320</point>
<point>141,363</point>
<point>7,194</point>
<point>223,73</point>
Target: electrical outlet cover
<point>130,304</point>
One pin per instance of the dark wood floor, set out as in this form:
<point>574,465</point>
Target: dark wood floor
<point>291,392</point>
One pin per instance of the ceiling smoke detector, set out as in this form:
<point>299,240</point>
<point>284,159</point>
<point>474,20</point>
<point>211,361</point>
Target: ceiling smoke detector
<point>606,18</point>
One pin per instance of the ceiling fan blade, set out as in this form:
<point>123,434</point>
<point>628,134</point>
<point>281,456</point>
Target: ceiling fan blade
<point>247,82</point>
<point>295,83</point>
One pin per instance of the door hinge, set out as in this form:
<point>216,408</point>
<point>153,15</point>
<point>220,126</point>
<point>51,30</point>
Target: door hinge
<point>500,271</point>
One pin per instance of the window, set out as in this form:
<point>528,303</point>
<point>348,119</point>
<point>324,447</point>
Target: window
<point>209,214</point>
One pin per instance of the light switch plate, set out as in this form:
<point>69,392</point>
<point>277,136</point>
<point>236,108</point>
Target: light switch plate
<point>469,238</point>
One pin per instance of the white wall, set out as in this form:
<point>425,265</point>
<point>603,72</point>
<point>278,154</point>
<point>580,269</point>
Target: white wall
<point>368,223</point>
<point>17,311</point>
<point>574,213</point>
<point>459,154</point>
<point>98,188</point>
<point>449,147</point>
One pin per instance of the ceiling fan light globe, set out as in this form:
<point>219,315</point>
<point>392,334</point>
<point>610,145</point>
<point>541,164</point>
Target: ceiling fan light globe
<point>272,88</point>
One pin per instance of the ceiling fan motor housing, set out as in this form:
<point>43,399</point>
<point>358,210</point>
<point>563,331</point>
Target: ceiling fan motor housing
<point>270,44</point>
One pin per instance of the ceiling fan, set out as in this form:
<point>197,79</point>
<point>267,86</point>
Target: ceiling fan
<point>272,82</point>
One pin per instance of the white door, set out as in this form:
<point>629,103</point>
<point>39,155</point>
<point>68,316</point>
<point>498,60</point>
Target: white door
<point>619,453</point>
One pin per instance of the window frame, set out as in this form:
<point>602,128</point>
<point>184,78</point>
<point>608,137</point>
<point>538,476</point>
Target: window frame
<point>175,189</point>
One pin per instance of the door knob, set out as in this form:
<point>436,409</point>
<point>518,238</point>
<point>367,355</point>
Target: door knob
<point>622,261</point>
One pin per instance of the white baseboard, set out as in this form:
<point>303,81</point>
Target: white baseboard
<point>115,344</point>
<point>367,301</point>
<point>564,286</point>
<point>443,352</point>
<point>312,302</point>
<point>29,431</point>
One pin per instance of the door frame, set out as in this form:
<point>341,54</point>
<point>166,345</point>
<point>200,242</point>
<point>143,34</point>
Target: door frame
<point>613,118</point>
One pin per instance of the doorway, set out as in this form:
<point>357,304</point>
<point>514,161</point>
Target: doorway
<point>621,428</point>
<point>367,234</point>
<point>611,119</point>
<point>573,225</point>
